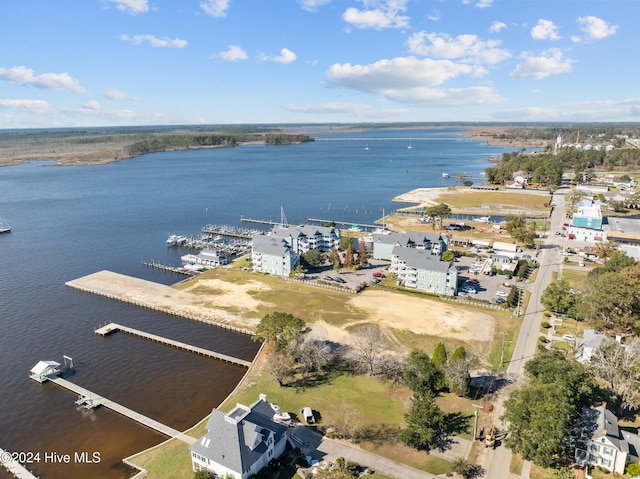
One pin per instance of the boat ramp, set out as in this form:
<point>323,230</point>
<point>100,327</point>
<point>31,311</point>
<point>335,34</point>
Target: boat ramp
<point>114,327</point>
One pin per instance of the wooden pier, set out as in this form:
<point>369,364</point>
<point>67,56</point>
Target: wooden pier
<point>229,232</point>
<point>171,269</point>
<point>319,221</point>
<point>15,467</point>
<point>125,411</point>
<point>114,327</point>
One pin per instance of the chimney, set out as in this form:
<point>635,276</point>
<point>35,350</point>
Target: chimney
<point>263,397</point>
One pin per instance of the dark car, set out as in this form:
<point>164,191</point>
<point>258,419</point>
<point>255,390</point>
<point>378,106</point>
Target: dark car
<point>340,280</point>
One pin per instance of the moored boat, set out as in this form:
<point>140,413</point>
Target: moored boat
<point>4,226</point>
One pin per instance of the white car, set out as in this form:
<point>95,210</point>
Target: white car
<point>502,294</point>
<point>568,337</point>
<point>566,253</point>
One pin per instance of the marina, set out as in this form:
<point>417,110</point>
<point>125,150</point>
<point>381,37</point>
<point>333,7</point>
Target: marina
<point>111,328</point>
<point>15,467</point>
<point>172,269</point>
<point>226,231</point>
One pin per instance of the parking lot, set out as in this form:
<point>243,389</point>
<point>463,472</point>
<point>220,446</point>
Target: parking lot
<point>485,285</point>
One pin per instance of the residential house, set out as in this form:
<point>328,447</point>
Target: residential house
<point>420,269</point>
<point>602,443</point>
<point>586,345</point>
<point>240,443</point>
<point>383,245</point>
<point>273,255</point>
<point>207,257</point>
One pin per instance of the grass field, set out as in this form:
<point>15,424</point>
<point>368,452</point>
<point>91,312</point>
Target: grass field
<point>491,200</point>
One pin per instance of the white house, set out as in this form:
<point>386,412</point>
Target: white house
<point>383,245</point>
<point>240,443</point>
<point>208,258</point>
<point>602,443</point>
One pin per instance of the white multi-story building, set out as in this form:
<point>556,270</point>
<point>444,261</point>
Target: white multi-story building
<point>303,238</point>
<point>420,269</point>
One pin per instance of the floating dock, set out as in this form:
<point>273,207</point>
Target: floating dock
<point>14,467</point>
<point>171,269</point>
<point>226,231</point>
<point>114,327</point>
<point>125,411</point>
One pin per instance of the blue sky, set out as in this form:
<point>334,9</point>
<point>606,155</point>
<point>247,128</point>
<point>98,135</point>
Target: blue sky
<point>147,62</point>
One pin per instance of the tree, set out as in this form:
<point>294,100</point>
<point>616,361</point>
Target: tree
<point>448,256</point>
<point>606,250</point>
<point>425,424</point>
<point>563,473</point>
<point>334,257</point>
<point>421,375</point>
<point>363,256</point>
<point>440,211</point>
<point>203,474</point>
<point>439,358</point>
<point>619,367</point>
<point>345,242</point>
<point>299,271</point>
<point>369,342</point>
<point>279,329</point>
<point>521,230</point>
<point>349,259</point>
<point>313,258</point>
<point>541,414</point>
<point>458,373</point>
<point>558,298</point>
<point>281,368</point>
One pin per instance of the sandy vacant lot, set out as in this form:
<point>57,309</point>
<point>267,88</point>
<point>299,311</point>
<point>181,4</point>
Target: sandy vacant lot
<point>219,301</point>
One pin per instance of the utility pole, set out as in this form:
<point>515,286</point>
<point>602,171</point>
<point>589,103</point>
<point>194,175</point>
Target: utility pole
<point>504,342</point>
<point>475,423</point>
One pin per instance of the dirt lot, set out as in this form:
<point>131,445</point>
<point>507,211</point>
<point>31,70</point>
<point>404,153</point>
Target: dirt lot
<point>235,304</point>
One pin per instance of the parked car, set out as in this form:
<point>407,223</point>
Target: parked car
<point>502,294</point>
<point>500,300</point>
<point>307,415</point>
<point>471,280</point>
<point>508,276</point>
<point>329,278</point>
<point>469,289</point>
<point>568,337</point>
<point>340,280</point>
<point>378,274</point>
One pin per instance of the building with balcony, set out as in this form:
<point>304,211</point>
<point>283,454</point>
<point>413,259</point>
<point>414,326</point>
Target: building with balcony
<point>422,270</point>
<point>434,243</point>
<point>303,238</point>
<point>273,255</point>
<point>586,224</point>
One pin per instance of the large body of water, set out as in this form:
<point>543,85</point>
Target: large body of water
<point>75,220</point>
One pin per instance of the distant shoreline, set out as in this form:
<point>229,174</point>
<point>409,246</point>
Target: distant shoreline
<point>113,149</point>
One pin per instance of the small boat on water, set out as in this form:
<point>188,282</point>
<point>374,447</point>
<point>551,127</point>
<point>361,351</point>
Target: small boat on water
<point>4,226</point>
<point>484,219</point>
<point>176,240</point>
<point>445,176</point>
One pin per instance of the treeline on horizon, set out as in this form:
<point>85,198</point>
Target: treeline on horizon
<point>181,142</point>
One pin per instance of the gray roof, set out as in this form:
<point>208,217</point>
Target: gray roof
<point>272,245</point>
<point>600,422</point>
<point>236,440</point>
<point>304,230</point>
<point>409,239</point>
<point>421,259</point>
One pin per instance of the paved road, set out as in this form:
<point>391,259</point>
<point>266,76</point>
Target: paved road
<point>496,462</point>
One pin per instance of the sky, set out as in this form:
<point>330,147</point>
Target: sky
<point>80,63</point>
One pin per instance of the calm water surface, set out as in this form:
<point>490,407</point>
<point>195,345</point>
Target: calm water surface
<point>72,221</point>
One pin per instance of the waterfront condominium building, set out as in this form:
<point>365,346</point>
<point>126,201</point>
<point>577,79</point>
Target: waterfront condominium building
<point>420,269</point>
<point>434,243</point>
<point>273,255</point>
<point>303,238</point>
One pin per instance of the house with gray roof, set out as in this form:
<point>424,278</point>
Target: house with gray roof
<point>241,442</point>
<point>601,442</point>
<point>586,345</point>
<point>273,255</point>
<point>422,270</point>
<point>383,245</point>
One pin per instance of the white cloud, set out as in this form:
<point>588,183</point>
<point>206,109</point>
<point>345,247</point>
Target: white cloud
<point>39,107</point>
<point>550,62</point>
<point>445,97</point>
<point>215,8</point>
<point>154,41</point>
<point>47,81</point>
<point>378,14</point>
<point>233,54</point>
<point>545,30</point>
<point>397,73</point>
<point>115,95</point>
<point>286,56</point>
<point>479,3</point>
<point>132,6</point>
<point>497,26</point>
<point>91,105</point>
<point>467,48</point>
<point>596,28</point>
<point>312,5</point>
<point>357,110</point>
<point>434,16</point>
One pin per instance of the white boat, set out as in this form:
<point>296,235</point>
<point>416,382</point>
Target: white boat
<point>484,219</point>
<point>445,175</point>
<point>4,226</point>
<point>409,147</point>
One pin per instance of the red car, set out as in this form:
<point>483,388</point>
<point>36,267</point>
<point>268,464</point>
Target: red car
<point>378,274</point>
<point>471,280</point>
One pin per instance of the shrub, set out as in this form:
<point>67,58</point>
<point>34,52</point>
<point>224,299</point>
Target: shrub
<point>545,325</point>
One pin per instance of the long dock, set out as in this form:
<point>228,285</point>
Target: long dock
<point>125,411</point>
<point>114,327</point>
<point>14,467</point>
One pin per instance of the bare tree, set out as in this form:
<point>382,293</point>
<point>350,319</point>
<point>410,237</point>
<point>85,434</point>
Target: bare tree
<point>313,355</point>
<point>369,342</point>
<point>281,367</point>
<point>619,366</point>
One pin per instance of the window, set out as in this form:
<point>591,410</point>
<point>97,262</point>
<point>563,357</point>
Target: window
<point>606,462</point>
<point>607,451</point>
